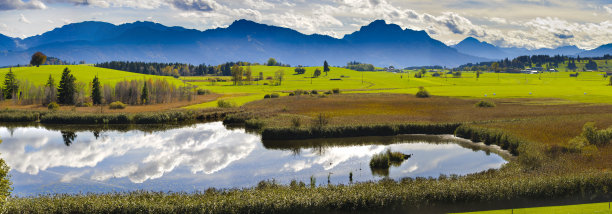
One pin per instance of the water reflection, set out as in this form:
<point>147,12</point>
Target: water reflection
<point>196,157</point>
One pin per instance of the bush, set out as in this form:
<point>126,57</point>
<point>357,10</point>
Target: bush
<point>203,91</point>
<point>117,105</point>
<point>314,92</point>
<point>267,96</point>
<point>84,104</point>
<point>274,95</point>
<point>53,106</point>
<point>296,122</point>
<point>336,90</point>
<point>225,104</point>
<point>320,121</point>
<point>422,93</point>
<point>485,104</point>
<point>328,92</point>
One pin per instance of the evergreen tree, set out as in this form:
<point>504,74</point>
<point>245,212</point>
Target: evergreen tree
<point>67,88</point>
<point>96,93</point>
<point>11,85</point>
<point>325,67</point>
<point>144,96</point>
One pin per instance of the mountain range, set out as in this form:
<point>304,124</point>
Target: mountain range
<point>379,43</point>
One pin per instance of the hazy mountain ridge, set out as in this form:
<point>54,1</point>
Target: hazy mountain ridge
<point>378,43</point>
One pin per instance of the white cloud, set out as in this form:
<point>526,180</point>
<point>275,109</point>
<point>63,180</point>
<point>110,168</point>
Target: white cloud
<point>498,20</point>
<point>21,5</point>
<point>23,19</point>
<point>447,21</point>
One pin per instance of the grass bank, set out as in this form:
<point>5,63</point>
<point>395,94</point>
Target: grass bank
<point>267,197</point>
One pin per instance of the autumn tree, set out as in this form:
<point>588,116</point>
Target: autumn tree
<point>11,85</point>
<point>38,59</point>
<point>67,88</point>
<point>96,93</point>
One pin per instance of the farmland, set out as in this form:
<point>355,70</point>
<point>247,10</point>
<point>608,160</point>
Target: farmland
<point>536,114</point>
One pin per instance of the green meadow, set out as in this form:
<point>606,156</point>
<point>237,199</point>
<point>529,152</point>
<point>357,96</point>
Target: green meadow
<point>569,209</point>
<point>83,73</point>
<point>588,87</point>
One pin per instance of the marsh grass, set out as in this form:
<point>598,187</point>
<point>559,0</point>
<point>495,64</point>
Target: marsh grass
<point>271,198</point>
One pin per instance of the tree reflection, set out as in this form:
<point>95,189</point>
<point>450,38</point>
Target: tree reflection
<point>68,137</point>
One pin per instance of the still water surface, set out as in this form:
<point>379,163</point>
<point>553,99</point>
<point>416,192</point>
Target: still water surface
<point>196,157</point>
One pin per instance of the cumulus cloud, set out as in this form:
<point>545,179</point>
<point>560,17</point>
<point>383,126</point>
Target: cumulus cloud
<point>21,5</point>
<point>196,5</point>
<point>205,148</point>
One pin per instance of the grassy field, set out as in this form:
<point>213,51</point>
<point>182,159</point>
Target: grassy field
<point>569,209</point>
<point>588,87</point>
<point>83,73</point>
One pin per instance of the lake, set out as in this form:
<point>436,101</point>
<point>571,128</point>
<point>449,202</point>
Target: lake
<point>100,159</point>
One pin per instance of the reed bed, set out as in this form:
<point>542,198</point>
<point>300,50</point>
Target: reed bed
<point>405,194</point>
<point>279,133</point>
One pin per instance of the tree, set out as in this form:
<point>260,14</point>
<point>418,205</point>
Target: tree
<point>272,62</point>
<point>325,67</point>
<point>237,72</point>
<point>495,67</point>
<point>423,71</point>
<point>260,77</point>
<point>477,74</point>
<point>278,75</point>
<point>300,70</point>
<point>144,95</point>
<point>50,90</point>
<point>11,85</point>
<point>249,75</point>
<point>316,73</point>
<point>67,88</point>
<point>38,59</point>
<point>591,65</point>
<point>96,93</point>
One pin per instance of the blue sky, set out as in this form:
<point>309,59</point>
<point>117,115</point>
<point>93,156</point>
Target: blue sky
<point>519,23</point>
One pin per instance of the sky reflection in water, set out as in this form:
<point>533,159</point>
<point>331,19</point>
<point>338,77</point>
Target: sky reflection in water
<point>207,155</point>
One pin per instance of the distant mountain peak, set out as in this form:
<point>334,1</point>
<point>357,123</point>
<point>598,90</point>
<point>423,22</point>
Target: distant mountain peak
<point>381,25</point>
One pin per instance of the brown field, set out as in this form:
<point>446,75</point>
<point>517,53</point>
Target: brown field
<point>532,119</point>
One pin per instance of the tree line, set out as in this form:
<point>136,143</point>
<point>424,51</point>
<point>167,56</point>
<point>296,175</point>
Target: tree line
<point>543,61</point>
<point>70,92</point>
<point>172,69</point>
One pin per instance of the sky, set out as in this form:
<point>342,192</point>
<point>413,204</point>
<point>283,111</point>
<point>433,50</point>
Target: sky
<point>507,23</point>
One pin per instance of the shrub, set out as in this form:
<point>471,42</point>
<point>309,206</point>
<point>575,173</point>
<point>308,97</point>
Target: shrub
<point>53,106</point>
<point>422,93</point>
<point>224,104</point>
<point>296,122</point>
<point>267,96</point>
<point>274,95</point>
<point>117,105</point>
<point>254,124</point>
<point>485,104</point>
<point>336,90</point>
<point>5,183</point>
<point>320,121</point>
<point>328,92</point>
<point>314,92</point>
<point>203,91</point>
<point>88,104</point>
<point>386,159</point>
